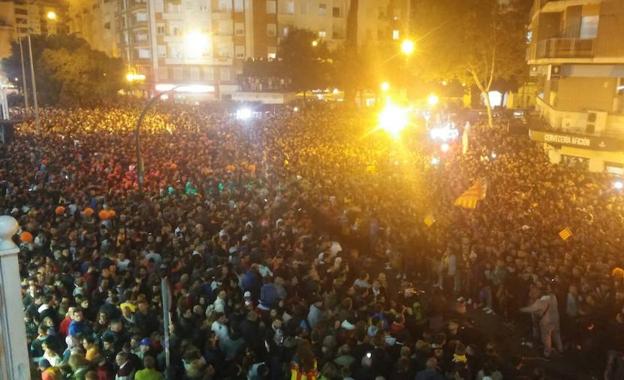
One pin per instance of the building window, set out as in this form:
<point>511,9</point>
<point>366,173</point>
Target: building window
<point>225,27</point>
<point>195,73</point>
<point>224,5</point>
<point>224,74</point>
<point>336,12</point>
<point>144,53</point>
<point>589,27</point>
<point>239,6</point>
<point>285,31</point>
<point>162,51</point>
<point>322,10</point>
<point>322,34</point>
<point>271,52</point>
<point>396,34</point>
<point>290,7</point>
<point>239,50</point>
<point>140,37</point>
<point>160,29</point>
<point>271,7</point>
<point>107,25</point>
<point>177,73</point>
<point>141,16</point>
<point>19,11</point>
<point>239,29</point>
<point>208,73</point>
<point>271,30</point>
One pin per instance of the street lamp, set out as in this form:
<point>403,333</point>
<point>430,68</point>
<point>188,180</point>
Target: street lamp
<point>433,100</point>
<point>315,43</point>
<point>407,47</point>
<point>51,15</point>
<point>134,77</point>
<point>196,44</point>
<point>384,86</point>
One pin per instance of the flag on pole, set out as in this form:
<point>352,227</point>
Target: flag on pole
<point>565,234</point>
<point>471,197</point>
<point>429,220</point>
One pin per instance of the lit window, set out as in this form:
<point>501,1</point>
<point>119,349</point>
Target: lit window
<point>322,34</point>
<point>396,34</point>
<point>589,27</point>
<point>272,55</point>
<point>271,7</point>
<point>239,6</point>
<point>322,10</point>
<point>239,50</point>
<point>271,30</point>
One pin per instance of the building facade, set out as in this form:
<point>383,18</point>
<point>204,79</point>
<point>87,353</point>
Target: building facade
<point>96,22</point>
<point>576,55</point>
<point>19,18</point>
<point>205,42</point>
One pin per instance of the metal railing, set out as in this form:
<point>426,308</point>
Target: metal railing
<point>565,48</point>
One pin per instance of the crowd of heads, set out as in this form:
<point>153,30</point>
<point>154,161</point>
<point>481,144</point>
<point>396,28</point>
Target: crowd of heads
<point>294,244</point>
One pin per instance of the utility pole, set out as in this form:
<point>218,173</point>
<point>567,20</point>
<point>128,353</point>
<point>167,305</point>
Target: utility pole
<point>25,87</point>
<point>34,86</point>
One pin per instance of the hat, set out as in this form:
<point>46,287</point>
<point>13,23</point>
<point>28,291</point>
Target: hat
<point>145,342</point>
<point>347,325</point>
<point>44,363</point>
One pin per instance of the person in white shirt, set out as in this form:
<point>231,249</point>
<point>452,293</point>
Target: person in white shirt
<point>545,309</point>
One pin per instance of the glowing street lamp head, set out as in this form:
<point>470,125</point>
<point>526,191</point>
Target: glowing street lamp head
<point>51,15</point>
<point>196,44</point>
<point>433,100</point>
<point>618,185</point>
<point>384,86</point>
<point>393,119</point>
<point>314,43</point>
<point>407,47</point>
<point>244,114</point>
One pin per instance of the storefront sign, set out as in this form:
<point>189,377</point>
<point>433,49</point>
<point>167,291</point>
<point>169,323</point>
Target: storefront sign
<point>581,141</point>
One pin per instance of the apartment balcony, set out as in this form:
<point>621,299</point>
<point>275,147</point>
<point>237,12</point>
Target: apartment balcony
<point>557,5</point>
<point>564,48</point>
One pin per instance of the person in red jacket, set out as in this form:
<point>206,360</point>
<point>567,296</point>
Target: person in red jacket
<point>64,326</point>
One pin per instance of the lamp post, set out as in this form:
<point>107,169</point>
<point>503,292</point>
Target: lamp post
<point>14,362</point>
<point>34,86</point>
<point>137,136</point>
<point>25,88</point>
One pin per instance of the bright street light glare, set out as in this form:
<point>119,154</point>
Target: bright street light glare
<point>51,15</point>
<point>195,44</point>
<point>618,185</point>
<point>435,161</point>
<point>314,43</point>
<point>407,47</point>
<point>134,77</point>
<point>385,86</point>
<point>393,119</point>
<point>444,147</point>
<point>243,114</point>
<point>433,99</point>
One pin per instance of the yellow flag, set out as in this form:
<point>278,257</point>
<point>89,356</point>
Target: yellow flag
<point>429,220</point>
<point>565,233</point>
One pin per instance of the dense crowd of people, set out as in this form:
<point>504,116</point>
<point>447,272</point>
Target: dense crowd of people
<point>302,245</point>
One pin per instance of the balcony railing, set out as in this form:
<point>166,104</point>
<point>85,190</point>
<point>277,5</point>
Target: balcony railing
<point>565,48</point>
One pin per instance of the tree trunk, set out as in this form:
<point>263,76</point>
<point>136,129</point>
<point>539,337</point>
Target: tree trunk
<point>485,94</point>
<point>488,108</point>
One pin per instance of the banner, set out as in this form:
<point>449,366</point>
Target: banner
<point>565,234</point>
<point>471,197</point>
